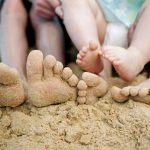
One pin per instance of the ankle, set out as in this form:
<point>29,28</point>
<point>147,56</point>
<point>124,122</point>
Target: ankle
<point>144,57</point>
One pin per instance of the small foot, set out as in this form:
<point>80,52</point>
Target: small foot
<point>89,58</point>
<point>91,88</point>
<point>122,59</point>
<point>139,93</point>
<point>11,89</point>
<point>48,82</point>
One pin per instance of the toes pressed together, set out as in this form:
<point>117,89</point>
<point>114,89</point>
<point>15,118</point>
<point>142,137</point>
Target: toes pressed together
<point>89,58</point>
<point>137,93</point>
<point>48,82</point>
<point>91,88</point>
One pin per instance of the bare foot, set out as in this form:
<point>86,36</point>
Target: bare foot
<point>89,58</point>
<point>48,82</point>
<point>117,95</point>
<point>139,93</point>
<point>128,63</point>
<point>90,88</point>
<point>11,89</point>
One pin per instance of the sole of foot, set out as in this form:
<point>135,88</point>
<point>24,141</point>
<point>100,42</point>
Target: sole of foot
<point>122,59</point>
<point>48,82</point>
<point>91,88</point>
<point>89,58</point>
<point>11,88</point>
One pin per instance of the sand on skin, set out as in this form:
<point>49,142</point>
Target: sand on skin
<point>106,125</point>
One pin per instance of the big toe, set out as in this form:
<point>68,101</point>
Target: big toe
<point>91,79</point>
<point>116,94</point>
<point>34,66</point>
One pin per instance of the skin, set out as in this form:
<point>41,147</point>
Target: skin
<point>77,11</point>
<point>137,51</point>
<point>123,58</point>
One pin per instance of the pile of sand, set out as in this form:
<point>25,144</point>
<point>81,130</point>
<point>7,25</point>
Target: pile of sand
<point>106,125</point>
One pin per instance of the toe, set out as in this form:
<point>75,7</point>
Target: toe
<point>134,91</point>
<point>78,61</point>
<point>91,79</point>
<point>73,80</point>
<point>8,75</point>
<point>125,91</point>
<point>143,92</point>
<point>66,73</point>
<point>116,94</point>
<point>35,66</point>
<point>82,85</point>
<point>79,56</point>
<point>49,63</point>
<point>58,68</point>
<point>82,54</point>
<point>81,100</point>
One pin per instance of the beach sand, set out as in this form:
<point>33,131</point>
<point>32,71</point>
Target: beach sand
<point>106,125</point>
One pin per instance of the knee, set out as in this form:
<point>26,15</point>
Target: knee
<point>13,7</point>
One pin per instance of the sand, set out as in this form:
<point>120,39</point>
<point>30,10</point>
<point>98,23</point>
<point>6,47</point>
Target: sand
<point>106,125</point>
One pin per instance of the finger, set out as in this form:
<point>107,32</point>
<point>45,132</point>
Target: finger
<point>43,4</point>
<point>59,11</point>
<point>45,13</point>
<point>54,3</point>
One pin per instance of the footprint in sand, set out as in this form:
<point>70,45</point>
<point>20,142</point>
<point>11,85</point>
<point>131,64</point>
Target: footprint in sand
<point>91,88</point>
<point>11,88</point>
<point>137,93</point>
<point>48,82</point>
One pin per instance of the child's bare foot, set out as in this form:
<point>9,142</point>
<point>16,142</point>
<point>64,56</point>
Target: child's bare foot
<point>11,89</point>
<point>90,88</point>
<point>128,63</point>
<point>89,58</point>
<point>140,93</point>
<point>48,82</point>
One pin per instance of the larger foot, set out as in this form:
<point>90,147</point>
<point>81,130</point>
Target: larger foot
<point>127,63</point>
<point>89,58</point>
<point>91,88</point>
<point>139,93</point>
<point>11,89</point>
<point>48,82</point>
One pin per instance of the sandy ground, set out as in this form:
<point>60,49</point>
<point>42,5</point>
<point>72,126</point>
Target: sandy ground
<point>107,125</point>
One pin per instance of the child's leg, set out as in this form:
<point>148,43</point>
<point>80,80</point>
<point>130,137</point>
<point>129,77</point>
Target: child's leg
<point>49,36</point>
<point>84,22</point>
<point>13,39</point>
<point>129,62</point>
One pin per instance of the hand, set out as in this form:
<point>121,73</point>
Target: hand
<point>56,4</point>
<point>45,8</point>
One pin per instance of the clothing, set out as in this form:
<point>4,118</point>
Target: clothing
<point>121,11</point>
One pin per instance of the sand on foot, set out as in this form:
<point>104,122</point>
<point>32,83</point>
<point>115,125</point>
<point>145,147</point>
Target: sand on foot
<point>11,87</point>
<point>48,82</point>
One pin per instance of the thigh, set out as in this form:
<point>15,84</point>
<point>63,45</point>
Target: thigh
<point>100,19</point>
<point>133,27</point>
